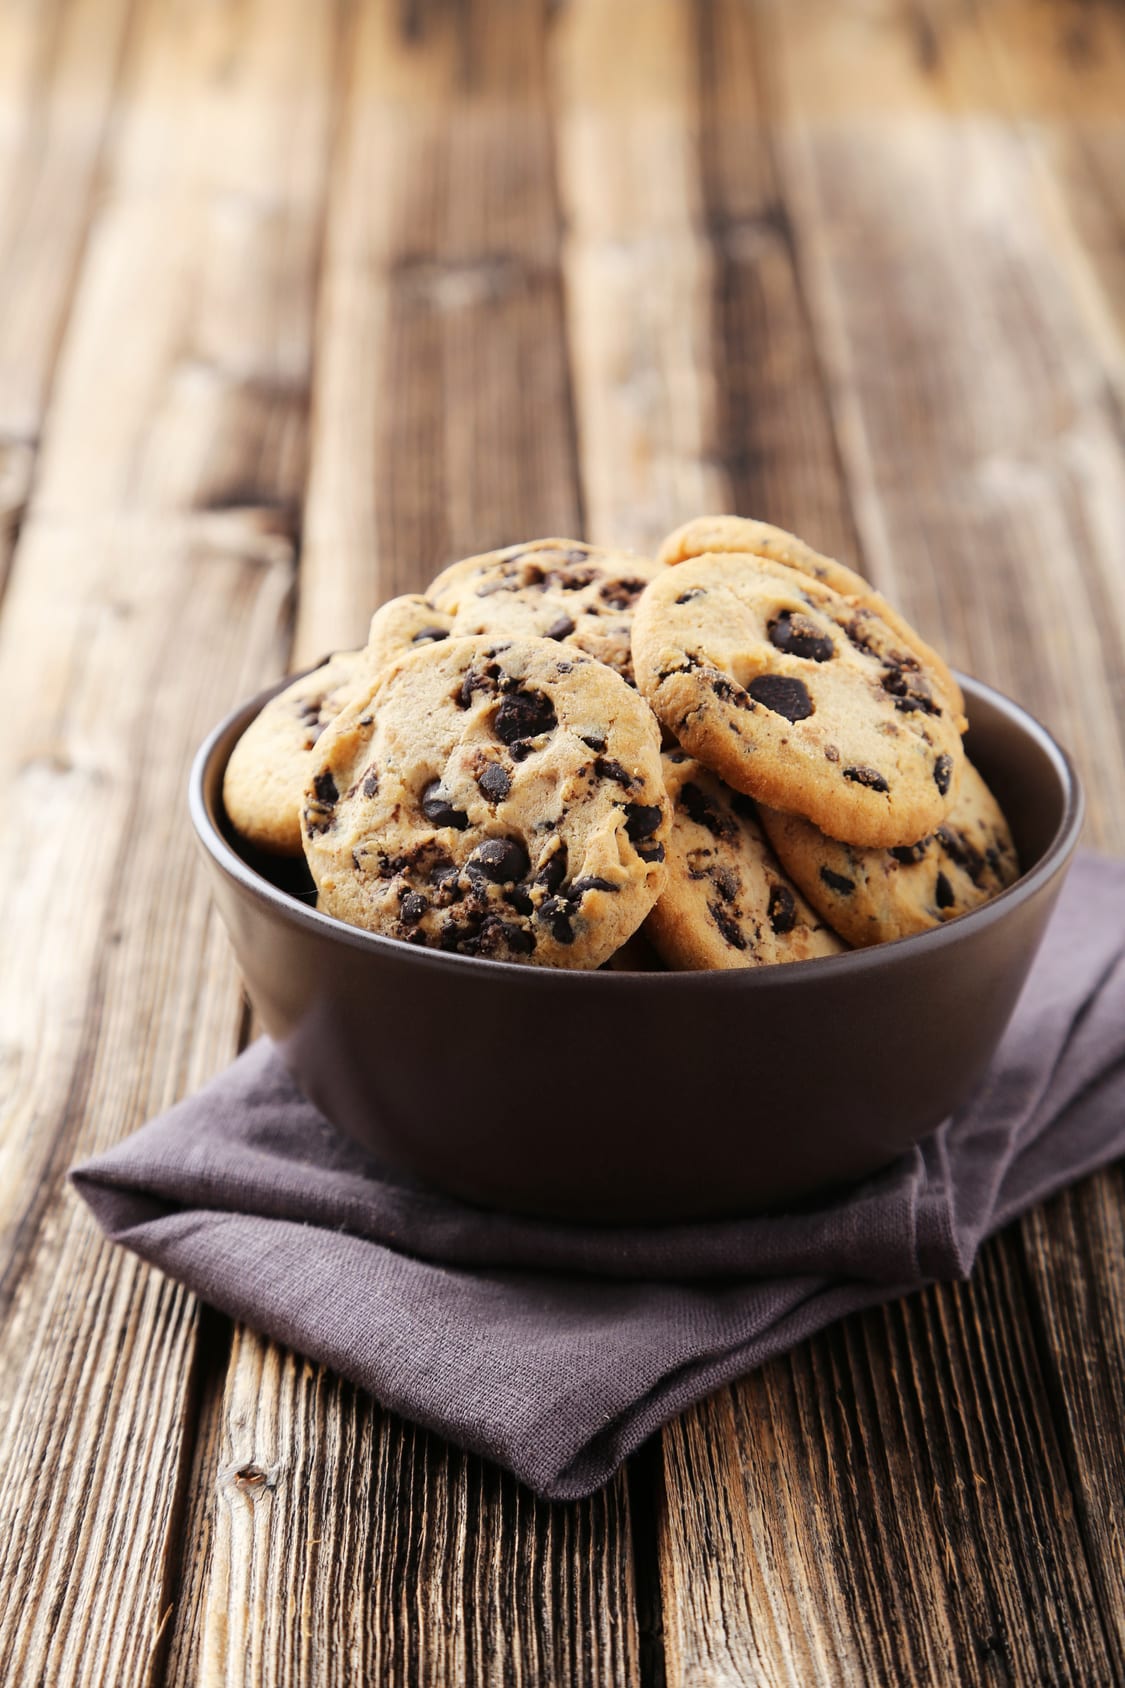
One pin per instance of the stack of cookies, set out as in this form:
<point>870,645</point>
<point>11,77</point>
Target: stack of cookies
<point>568,756</point>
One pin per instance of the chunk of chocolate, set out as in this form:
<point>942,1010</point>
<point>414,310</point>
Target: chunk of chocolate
<point>782,911</point>
<point>502,860</point>
<point>908,854</point>
<point>869,777</point>
<point>553,871</point>
<point>838,882</point>
<point>798,636</point>
<point>494,781</point>
<point>524,715</point>
<point>413,907</point>
<point>555,914</point>
<point>621,594</point>
<point>943,892</point>
<point>726,926</point>
<point>607,769</point>
<point>783,694</point>
<point>560,628</point>
<point>325,787</point>
<point>943,773</point>
<point>440,810</point>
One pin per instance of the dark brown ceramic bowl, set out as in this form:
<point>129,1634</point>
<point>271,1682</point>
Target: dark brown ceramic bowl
<point>646,1096</point>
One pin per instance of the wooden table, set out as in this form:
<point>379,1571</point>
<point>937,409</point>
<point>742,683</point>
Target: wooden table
<point>298,301</point>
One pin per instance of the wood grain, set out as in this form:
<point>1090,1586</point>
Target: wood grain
<point>935,1439</point>
<point>403,1559</point>
<point>442,422</point>
<point>144,599</point>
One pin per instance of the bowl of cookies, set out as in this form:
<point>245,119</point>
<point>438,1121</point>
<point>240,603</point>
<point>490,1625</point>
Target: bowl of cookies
<point>623,889</point>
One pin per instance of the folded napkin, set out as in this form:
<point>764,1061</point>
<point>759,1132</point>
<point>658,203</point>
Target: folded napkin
<point>556,1349</point>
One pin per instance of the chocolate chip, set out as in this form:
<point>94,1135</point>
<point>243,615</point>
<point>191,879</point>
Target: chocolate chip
<point>594,741</point>
<point>943,773</point>
<point>727,689</point>
<point>502,860</point>
<point>371,782</point>
<point>590,882</point>
<point>796,634</point>
<point>908,854</point>
<point>440,810</point>
<point>782,912</point>
<point>520,900</point>
<point>687,597</point>
<point>325,787</point>
<point>573,579</point>
<point>523,715</point>
<point>621,594</point>
<point>553,871</point>
<point>649,850</point>
<point>943,892</point>
<point>725,881</point>
<point>784,695</point>
<point>430,635</point>
<point>413,907</point>
<point>556,914</point>
<point>961,850</point>
<point>607,769</point>
<point>870,777</point>
<point>560,628</point>
<point>642,820</point>
<point>441,870</point>
<point>703,812</point>
<point>726,926</point>
<point>494,781</point>
<point>837,882</point>
<point>477,680</point>
<point>367,720</point>
<point>518,939</point>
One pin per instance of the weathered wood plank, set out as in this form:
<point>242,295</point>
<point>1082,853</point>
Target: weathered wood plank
<point>442,404</point>
<point>403,1559</point>
<point>59,67</point>
<point>639,275</point>
<point>972,401</point>
<point>143,600</point>
<point>441,424</point>
<point>888,1505</point>
<point>897,1501</point>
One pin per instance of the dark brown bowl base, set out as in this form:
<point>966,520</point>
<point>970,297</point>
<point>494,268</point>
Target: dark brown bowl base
<point>645,1097</point>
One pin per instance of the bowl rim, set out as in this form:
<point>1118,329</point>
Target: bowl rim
<point>789,976</point>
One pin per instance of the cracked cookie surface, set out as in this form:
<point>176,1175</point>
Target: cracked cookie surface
<point>743,535</point>
<point>492,797</point>
<point>727,903</point>
<point>560,589</point>
<point>799,697</point>
<point>872,896</point>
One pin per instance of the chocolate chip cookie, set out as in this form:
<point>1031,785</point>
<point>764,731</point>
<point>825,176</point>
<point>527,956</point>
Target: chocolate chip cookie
<point>727,902</point>
<point>799,697</point>
<point>871,896</point>
<point>550,589</point>
<point>403,624</point>
<point>269,765</point>
<point>492,797</point>
<point>741,534</point>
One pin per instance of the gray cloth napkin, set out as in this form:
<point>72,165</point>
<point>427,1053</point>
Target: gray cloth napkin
<point>556,1349</point>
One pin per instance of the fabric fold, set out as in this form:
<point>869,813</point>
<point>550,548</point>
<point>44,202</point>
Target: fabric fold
<point>556,1349</point>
